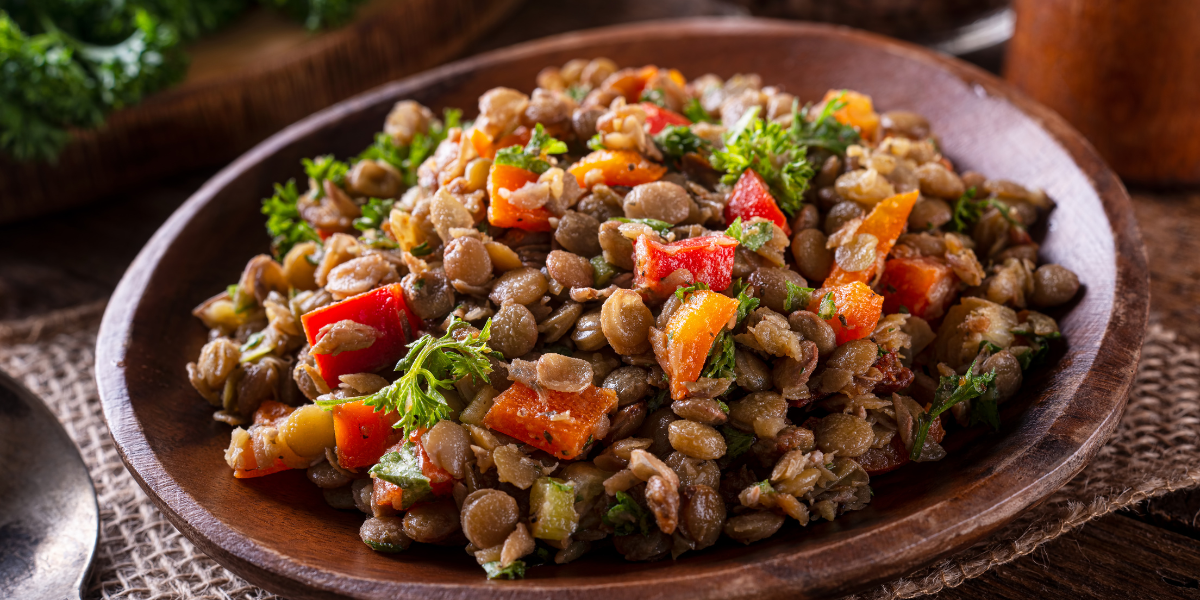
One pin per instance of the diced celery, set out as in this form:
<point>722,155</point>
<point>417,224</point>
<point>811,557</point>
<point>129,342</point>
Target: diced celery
<point>552,508</point>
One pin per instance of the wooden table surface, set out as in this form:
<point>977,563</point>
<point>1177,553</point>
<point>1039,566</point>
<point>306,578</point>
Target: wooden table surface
<point>1153,552</point>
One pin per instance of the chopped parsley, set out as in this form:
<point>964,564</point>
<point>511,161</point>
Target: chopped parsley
<point>514,570</point>
<point>797,297</point>
<point>325,168</point>
<point>827,308</point>
<point>753,236</point>
<point>596,142</point>
<point>578,92</point>
<point>374,213</point>
<point>676,140</point>
<point>531,157</point>
<point>660,227</point>
<point>767,148</point>
<point>655,97</point>
<point>431,365</point>
<point>421,249</point>
<point>696,113</point>
<point>626,517</point>
<point>824,131</point>
<point>602,271</point>
<point>403,469</point>
<point>1039,349</point>
<point>284,223</point>
<point>682,292</point>
<point>950,391</point>
<point>737,442</point>
<point>720,358</point>
<point>657,401</point>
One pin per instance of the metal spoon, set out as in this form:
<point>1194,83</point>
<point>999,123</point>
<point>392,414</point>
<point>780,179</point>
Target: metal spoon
<point>49,520</point>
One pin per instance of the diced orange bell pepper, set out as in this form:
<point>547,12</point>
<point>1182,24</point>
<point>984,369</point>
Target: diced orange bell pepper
<point>886,222</point>
<point>856,310</point>
<point>382,309</point>
<point>657,118</point>
<point>503,213</point>
<point>752,198</point>
<point>362,434</point>
<point>560,423</point>
<point>618,167</point>
<point>488,148</point>
<point>922,285</point>
<point>709,259</point>
<point>858,112</point>
<point>691,332</point>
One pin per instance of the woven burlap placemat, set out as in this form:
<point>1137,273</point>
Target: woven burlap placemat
<point>142,556</point>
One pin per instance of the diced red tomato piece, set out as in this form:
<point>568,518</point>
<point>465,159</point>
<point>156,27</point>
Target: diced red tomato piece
<point>857,310</point>
<point>657,118</point>
<point>384,310</point>
<point>708,259</point>
<point>502,213</point>
<point>362,434</point>
<point>752,198</point>
<point>922,285</point>
<point>558,422</point>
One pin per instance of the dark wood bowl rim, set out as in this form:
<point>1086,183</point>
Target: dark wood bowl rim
<point>1110,376</point>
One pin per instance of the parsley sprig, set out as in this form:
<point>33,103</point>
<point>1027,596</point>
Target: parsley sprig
<point>950,391</point>
<point>722,356</point>
<point>284,223</point>
<point>696,113</point>
<point>752,235</point>
<point>769,149</point>
<point>626,516</point>
<point>374,213</point>
<point>824,131</point>
<point>432,365</point>
<point>406,159</point>
<point>532,156</point>
<point>676,140</point>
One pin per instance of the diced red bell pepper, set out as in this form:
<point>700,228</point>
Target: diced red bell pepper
<point>618,167</point>
<point>709,259</point>
<point>362,434</point>
<point>856,310</point>
<point>503,213</point>
<point>382,309</point>
<point>657,118</point>
<point>752,198</point>
<point>886,222</point>
<point>558,422</point>
<point>922,285</point>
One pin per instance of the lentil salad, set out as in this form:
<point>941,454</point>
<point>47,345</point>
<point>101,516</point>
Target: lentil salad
<point>626,310</point>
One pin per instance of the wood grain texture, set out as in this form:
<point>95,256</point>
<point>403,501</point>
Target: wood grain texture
<point>247,83</point>
<point>1099,560</point>
<point>1116,69</point>
<point>279,534</point>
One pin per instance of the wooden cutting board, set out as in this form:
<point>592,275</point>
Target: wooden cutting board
<point>246,82</point>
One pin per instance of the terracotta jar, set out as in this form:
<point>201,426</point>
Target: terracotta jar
<point>1126,73</point>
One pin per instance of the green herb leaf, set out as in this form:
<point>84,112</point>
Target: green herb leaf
<point>767,148</point>
<point>602,271</point>
<point>753,236</point>
<point>696,113</point>
<point>724,407</point>
<point>764,486</point>
<point>626,517</point>
<point>661,227</point>
<point>530,157</point>
<point>384,149</point>
<point>655,97</point>
<point>681,293</point>
<point>824,131</point>
<point>325,168</point>
<point>720,357</point>
<point>737,442</point>
<point>827,308</point>
<point>284,223</point>
<point>432,365</point>
<point>966,211</point>
<point>950,391</point>
<point>578,92</point>
<point>514,570</point>
<point>1039,347</point>
<point>596,142</point>
<point>374,213</point>
<point>676,140</point>
<point>797,297</point>
<point>403,469</point>
<point>421,249</point>
<point>658,400</point>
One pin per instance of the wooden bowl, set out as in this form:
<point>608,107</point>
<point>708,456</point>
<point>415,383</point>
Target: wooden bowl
<point>277,531</point>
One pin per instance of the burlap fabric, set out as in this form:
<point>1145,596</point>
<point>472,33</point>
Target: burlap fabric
<point>141,555</point>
